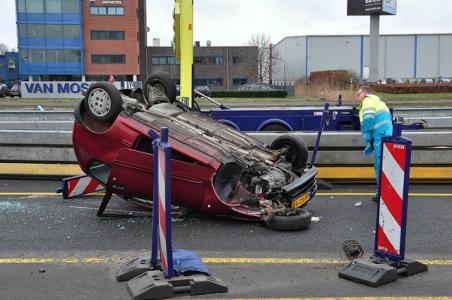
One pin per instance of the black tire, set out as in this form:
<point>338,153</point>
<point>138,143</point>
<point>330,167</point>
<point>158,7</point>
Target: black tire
<point>162,81</point>
<point>99,96</point>
<point>297,154</point>
<point>274,127</point>
<point>290,223</point>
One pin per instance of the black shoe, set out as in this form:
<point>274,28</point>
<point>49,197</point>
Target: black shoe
<point>375,198</point>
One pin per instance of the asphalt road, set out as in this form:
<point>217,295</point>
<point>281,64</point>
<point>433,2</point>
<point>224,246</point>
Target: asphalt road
<point>58,249</point>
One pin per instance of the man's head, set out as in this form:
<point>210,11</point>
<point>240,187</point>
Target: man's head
<point>363,92</point>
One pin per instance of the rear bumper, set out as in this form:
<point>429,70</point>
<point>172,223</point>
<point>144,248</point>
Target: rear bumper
<point>307,183</point>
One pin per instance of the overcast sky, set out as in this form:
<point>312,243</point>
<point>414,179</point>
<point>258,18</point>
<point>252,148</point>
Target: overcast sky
<point>232,22</point>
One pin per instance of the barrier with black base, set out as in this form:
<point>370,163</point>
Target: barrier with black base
<point>389,253</point>
<point>170,272</point>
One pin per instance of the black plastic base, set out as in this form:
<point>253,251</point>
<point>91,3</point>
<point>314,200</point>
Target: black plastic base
<point>154,285</point>
<point>376,271</point>
<point>136,267</point>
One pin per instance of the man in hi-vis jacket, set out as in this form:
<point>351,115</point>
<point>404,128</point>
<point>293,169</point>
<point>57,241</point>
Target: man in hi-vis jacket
<point>376,122</point>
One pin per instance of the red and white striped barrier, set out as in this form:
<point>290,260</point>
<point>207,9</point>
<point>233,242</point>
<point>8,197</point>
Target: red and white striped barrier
<point>392,215</point>
<point>79,185</point>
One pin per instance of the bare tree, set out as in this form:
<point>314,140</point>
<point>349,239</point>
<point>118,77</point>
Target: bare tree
<point>3,48</point>
<point>267,60</point>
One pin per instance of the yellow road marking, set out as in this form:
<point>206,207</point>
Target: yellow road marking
<point>354,298</point>
<point>207,260</point>
<point>332,173</point>
<point>40,169</point>
<point>371,194</point>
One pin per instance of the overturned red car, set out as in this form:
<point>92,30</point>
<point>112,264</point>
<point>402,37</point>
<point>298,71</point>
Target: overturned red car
<point>215,169</point>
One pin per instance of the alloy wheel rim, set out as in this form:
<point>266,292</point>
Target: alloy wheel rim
<point>99,102</point>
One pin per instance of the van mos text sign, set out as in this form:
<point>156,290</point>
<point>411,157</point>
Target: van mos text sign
<point>53,89</point>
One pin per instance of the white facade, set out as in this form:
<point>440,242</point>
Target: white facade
<point>401,56</point>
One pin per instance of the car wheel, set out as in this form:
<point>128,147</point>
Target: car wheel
<point>274,127</point>
<point>103,102</point>
<point>297,154</point>
<point>290,223</point>
<point>164,83</point>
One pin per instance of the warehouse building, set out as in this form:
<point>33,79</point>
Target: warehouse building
<point>413,56</point>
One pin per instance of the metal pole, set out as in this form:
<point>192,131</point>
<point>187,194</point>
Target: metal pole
<point>374,48</point>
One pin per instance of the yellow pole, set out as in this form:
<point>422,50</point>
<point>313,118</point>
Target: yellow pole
<point>184,48</point>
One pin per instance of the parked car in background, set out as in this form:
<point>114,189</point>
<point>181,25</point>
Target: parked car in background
<point>426,80</point>
<point>4,90</point>
<point>14,90</point>
<point>255,87</point>
<point>203,89</point>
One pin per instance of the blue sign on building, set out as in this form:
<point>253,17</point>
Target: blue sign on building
<point>50,38</point>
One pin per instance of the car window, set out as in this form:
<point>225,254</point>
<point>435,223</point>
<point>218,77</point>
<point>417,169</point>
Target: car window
<point>144,144</point>
<point>99,170</point>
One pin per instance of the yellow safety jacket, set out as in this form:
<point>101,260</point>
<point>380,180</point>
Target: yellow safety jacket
<point>375,118</point>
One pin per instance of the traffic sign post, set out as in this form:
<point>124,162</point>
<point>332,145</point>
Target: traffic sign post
<point>389,252</point>
<point>183,47</point>
<point>167,272</point>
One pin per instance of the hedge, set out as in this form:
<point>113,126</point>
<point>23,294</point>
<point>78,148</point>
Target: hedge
<point>413,88</point>
<point>250,94</point>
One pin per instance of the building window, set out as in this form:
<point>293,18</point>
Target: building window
<point>72,56</point>
<point>21,6</point>
<point>36,55</point>
<point>71,6</point>
<point>200,81</point>
<point>71,31</point>
<point>54,56</point>
<point>215,82</point>
<point>24,55</point>
<point>107,10</point>
<point>35,6</point>
<point>159,60</point>
<point>54,31</point>
<point>239,81</point>
<point>35,31</point>
<point>215,60</point>
<point>120,11</point>
<point>218,60</point>
<point>93,10</point>
<point>164,60</point>
<point>236,59</point>
<point>200,60</point>
<point>107,35</point>
<point>53,6</point>
<point>104,59</point>
<point>23,31</point>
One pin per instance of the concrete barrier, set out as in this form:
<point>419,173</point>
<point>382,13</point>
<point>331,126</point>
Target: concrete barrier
<point>336,148</point>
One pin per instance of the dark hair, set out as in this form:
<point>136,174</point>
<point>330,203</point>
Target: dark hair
<point>367,89</point>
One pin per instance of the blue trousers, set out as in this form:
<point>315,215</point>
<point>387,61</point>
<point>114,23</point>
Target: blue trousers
<point>377,159</point>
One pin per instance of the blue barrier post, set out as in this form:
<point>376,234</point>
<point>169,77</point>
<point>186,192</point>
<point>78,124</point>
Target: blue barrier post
<point>397,129</point>
<point>322,124</point>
